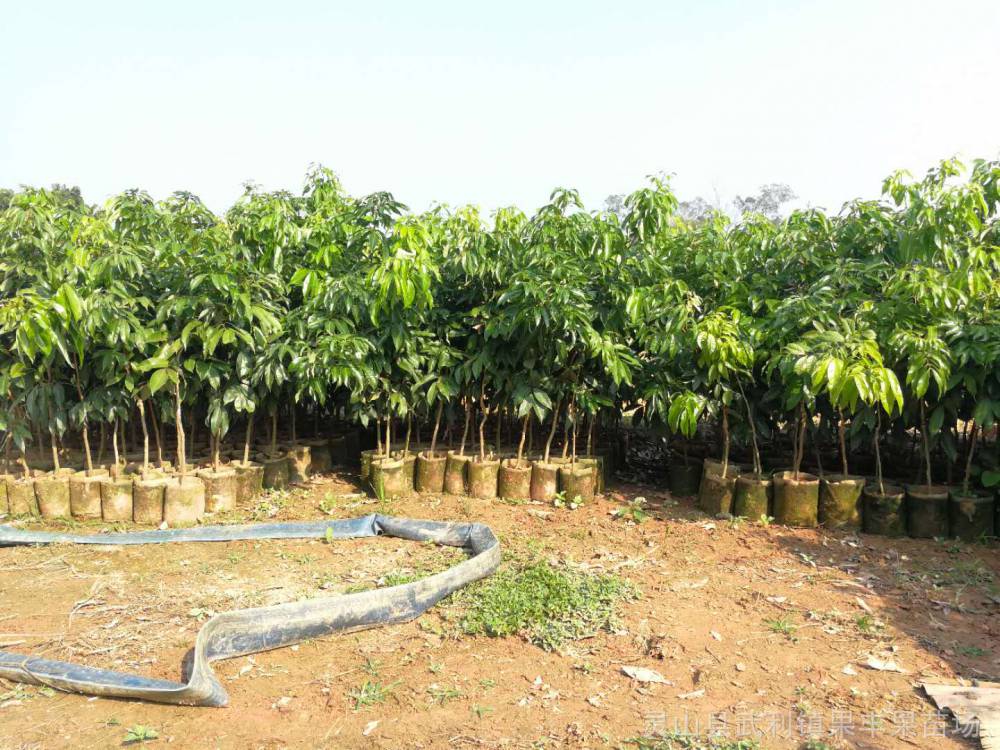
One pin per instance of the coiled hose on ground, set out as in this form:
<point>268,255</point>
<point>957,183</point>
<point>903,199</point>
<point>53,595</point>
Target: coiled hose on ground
<point>248,631</point>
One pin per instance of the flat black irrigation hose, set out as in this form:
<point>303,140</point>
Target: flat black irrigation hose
<point>248,631</point>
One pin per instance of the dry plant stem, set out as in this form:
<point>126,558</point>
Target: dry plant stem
<point>409,429</point>
<point>552,430</point>
<point>378,436</point>
<point>274,432</point>
<point>388,436</point>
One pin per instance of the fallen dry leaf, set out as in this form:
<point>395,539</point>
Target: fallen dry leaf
<point>883,666</point>
<point>641,674</point>
<point>692,694</point>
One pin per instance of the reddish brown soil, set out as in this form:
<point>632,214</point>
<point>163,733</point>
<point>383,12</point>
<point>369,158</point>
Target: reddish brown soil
<point>714,595</point>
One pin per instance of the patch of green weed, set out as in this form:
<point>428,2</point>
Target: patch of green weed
<point>548,605</point>
<point>371,693</point>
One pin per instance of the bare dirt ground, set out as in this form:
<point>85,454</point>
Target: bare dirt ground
<point>760,632</point>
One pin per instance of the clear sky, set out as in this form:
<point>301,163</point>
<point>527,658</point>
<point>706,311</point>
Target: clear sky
<point>494,103</point>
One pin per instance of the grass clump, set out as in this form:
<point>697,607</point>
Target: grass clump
<point>548,605</point>
<point>371,693</point>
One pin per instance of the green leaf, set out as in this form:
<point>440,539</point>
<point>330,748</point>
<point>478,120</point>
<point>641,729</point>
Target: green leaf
<point>157,380</point>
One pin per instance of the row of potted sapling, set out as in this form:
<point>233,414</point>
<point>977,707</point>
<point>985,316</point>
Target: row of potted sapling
<point>178,494</point>
<point>485,472</point>
<point>839,500</point>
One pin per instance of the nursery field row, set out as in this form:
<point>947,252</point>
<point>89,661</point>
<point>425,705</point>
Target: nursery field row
<point>870,335</point>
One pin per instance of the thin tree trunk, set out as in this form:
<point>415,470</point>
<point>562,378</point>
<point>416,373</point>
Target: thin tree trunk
<point>23,460</point>
<point>725,440</point>
<point>552,430</point>
<point>124,445</point>
<point>531,432</point>
<point>841,430</point>
<point>437,424</point>
<point>409,429</point>
<point>878,454</point>
<point>248,438</point>
<point>815,446</point>
<point>55,449</point>
<point>114,448</point>
<point>274,432</point>
<point>388,436</point>
<point>156,434</point>
<point>757,467</point>
<point>378,436</point>
<point>575,431</point>
<point>484,413</point>
<point>145,436</point>
<point>465,430</point>
<point>565,445</point>
<point>968,460</point>
<point>215,452</point>
<point>524,435</point>
<point>800,440</point>
<point>499,429</point>
<point>926,441</point>
<point>591,420</point>
<point>87,458</point>
<point>181,447</point>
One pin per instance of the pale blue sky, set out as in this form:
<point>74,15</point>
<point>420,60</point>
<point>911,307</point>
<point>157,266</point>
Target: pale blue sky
<point>494,103</point>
